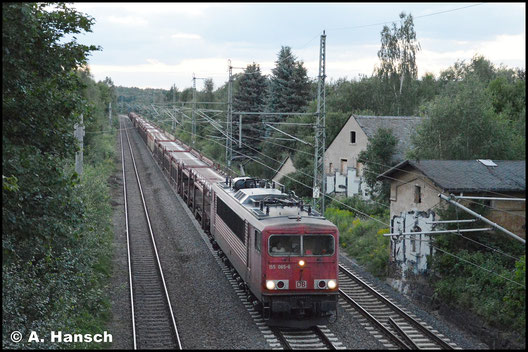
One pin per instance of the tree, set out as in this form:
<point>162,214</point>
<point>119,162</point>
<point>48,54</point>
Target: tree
<point>207,93</point>
<point>478,114</point>
<point>250,96</point>
<point>377,158</point>
<point>173,95</point>
<point>460,124</point>
<point>41,103</point>
<point>398,66</point>
<point>289,84</point>
<point>43,213</point>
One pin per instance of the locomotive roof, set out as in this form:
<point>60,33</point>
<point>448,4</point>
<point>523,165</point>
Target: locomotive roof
<point>271,206</point>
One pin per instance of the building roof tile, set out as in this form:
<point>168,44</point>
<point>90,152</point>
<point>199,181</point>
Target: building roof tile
<point>469,175</point>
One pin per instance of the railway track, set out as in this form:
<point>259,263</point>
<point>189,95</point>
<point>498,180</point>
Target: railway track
<point>391,325</point>
<point>315,338</point>
<point>319,337</point>
<point>153,322</point>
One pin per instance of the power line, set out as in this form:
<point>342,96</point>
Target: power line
<point>387,22</point>
<point>358,211</point>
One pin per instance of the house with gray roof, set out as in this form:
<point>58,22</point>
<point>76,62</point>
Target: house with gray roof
<point>414,199</point>
<point>343,170</point>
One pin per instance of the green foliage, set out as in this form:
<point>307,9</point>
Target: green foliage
<point>289,85</point>
<point>478,114</point>
<point>56,230</point>
<point>37,70</point>
<point>375,209</point>
<point>398,66</point>
<point>379,157</point>
<point>501,301</point>
<point>363,240</point>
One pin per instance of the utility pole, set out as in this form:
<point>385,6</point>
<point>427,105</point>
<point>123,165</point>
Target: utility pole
<point>319,188</point>
<point>240,131</point>
<point>79,134</point>
<point>229,127</point>
<point>193,115</point>
<point>173,104</point>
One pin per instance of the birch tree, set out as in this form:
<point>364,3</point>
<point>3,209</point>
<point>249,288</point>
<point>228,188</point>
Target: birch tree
<point>397,56</point>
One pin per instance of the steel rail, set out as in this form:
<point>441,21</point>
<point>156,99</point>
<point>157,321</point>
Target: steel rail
<point>402,333</point>
<point>389,334</point>
<point>406,316</point>
<point>154,245</point>
<point>282,339</point>
<point>322,336</point>
<point>127,238</point>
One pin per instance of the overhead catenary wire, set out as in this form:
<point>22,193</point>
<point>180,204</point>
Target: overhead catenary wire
<point>383,223</point>
<point>414,17</point>
<point>366,215</point>
<point>389,166</point>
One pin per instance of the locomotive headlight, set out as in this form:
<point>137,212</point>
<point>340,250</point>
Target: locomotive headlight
<point>332,284</point>
<point>301,262</point>
<point>270,285</point>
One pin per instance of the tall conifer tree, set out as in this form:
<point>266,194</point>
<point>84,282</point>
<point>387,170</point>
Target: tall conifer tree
<point>250,97</point>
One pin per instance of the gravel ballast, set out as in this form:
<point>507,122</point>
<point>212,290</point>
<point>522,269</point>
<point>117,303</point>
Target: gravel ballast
<point>208,311</point>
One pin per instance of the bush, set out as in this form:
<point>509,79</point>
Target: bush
<point>362,239</point>
<point>498,300</point>
<point>63,289</point>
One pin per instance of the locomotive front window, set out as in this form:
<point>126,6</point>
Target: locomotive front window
<point>318,245</point>
<point>285,245</point>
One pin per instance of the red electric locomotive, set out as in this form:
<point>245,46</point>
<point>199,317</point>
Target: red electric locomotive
<point>284,251</point>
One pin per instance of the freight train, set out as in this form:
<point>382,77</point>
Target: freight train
<point>285,254</point>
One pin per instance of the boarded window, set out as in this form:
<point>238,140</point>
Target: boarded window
<point>231,219</point>
<point>417,194</point>
<point>353,137</point>
<point>343,166</point>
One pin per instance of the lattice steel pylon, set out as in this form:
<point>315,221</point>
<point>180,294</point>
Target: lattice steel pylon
<point>229,126</point>
<point>319,184</point>
<point>193,114</point>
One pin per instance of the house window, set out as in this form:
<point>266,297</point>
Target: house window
<point>343,166</point>
<point>359,168</point>
<point>417,194</point>
<point>352,137</point>
<point>330,168</point>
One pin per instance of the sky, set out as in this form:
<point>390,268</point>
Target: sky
<point>156,45</point>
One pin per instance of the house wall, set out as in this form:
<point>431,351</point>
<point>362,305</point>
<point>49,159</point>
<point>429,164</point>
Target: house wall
<point>402,195</point>
<point>286,169</point>
<point>513,215</point>
<point>404,209</point>
<point>410,252</point>
<point>508,214</point>
<point>341,148</point>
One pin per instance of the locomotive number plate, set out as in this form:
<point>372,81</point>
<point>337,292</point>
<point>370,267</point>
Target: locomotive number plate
<point>300,284</point>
